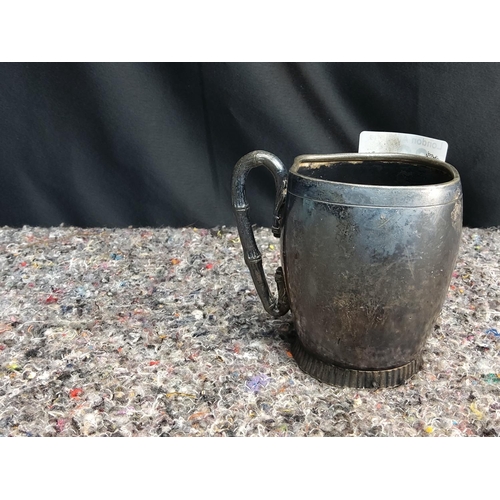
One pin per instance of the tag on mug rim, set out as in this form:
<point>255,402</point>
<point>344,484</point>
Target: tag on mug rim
<point>395,142</point>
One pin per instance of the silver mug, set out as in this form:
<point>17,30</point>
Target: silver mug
<point>368,246</point>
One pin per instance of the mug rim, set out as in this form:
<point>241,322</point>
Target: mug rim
<point>299,162</point>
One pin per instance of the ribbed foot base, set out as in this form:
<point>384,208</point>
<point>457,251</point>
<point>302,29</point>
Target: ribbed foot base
<point>346,377</point>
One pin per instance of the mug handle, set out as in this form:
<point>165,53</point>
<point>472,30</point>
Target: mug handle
<point>274,306</point>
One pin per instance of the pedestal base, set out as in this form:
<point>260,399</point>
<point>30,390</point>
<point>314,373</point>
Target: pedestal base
<point>347,377</point>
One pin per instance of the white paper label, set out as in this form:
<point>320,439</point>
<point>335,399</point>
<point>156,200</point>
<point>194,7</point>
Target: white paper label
<point>393,142</point>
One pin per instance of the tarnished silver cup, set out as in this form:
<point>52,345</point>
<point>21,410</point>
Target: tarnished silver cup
<point>368,247</point>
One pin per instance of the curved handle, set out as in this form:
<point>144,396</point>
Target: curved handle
<point>253,258</point>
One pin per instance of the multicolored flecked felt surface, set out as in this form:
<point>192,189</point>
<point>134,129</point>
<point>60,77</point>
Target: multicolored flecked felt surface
<point>159,332</point>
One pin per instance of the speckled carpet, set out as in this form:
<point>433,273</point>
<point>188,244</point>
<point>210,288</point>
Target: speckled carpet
<point>159,332</point>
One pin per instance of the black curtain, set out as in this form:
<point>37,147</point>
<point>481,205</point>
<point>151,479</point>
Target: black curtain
<point>105,144</point>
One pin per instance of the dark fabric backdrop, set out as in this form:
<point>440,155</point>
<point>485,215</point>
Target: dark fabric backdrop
<point>155,144</point>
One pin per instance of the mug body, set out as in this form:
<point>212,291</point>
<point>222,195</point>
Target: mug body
<point>369,244</point>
